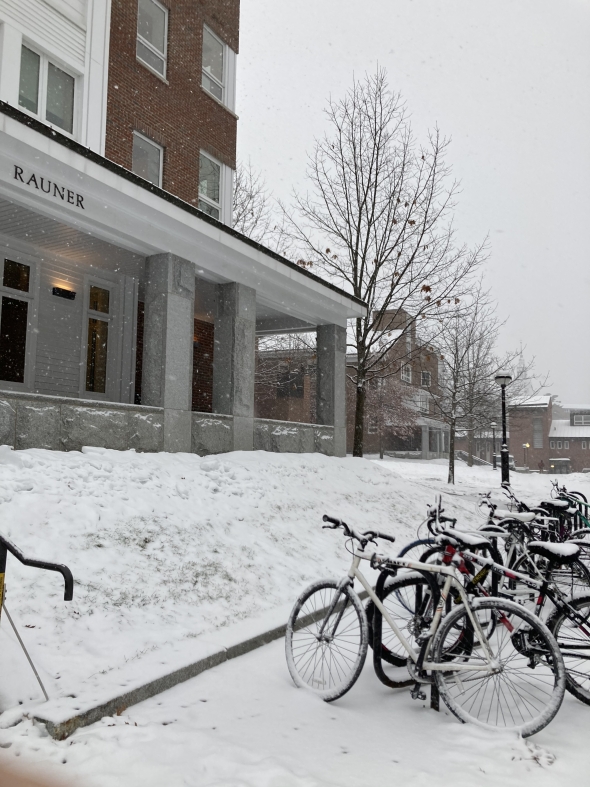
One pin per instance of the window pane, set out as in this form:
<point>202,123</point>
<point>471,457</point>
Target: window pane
<point>151,24</point>
<point>209,177</point>
<point>96,356</point>
<point>212,87</point>
<point>212,56</point>
<point>146,159</point>
<point>28,93</point>
<point>151,58</point>
<point>99,300</point>
<point>13,340</point>
<point>16,275</point>
<point>209,209</point>
<point>60,98</point>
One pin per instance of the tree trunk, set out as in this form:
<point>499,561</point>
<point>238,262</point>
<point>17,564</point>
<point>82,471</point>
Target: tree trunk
<point>380,443</point>
<point>359,420</point>
<point>451,478</point>
<point>470,436</point>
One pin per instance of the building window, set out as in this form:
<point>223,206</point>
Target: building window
<point>559,443</point>
<point>14,320</point>
<point>423,402</point>
<point>152,35</point>
<point>406,373</point>
<point>584,446</point>
<point>45,90</point>
<point>98,337</point>
<point>537,433</point>
<point>213,65</point>
<point>148,159</point>
<point>566,444</point>
<point>552,444</point>
<point>581,420</point>
<point>426,379</point>
<point>209,186</point>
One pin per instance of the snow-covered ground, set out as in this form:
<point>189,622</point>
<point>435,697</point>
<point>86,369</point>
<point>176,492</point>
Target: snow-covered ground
<point>169,547</point>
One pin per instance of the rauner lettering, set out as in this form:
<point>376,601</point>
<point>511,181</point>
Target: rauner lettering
<point>48,187</point>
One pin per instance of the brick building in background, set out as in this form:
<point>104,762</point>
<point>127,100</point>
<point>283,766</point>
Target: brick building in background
<point>129,309</point>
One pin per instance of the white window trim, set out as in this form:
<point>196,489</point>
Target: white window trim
<point>559,444</point>
<point>225,190</point>
<point>228,95</point>
<point>151,47</point>
<point>111,393</point>
<point>429,383</point>
<point>406,373</point>
<point>584,445</point>
<point>42,97</point>
<point>552,444</point>
<point>566,444</point>
<point>156,145</point>
<point>32,297</point>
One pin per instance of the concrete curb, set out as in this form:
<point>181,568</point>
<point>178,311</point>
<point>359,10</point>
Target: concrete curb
<point>115,706</point>
<point>64,722</point>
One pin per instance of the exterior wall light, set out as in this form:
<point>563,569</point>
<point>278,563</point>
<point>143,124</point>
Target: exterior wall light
<point>60,292</point>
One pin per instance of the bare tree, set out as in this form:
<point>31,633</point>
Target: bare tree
<point>467,395</point>
<point>390,409</point>
<point>378,222</point>
<point>254,210</point>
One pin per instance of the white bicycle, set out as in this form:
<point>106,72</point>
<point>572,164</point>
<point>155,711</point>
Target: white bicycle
<point>515,680</point>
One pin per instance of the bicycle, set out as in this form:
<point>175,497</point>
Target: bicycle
<point>514,680</point>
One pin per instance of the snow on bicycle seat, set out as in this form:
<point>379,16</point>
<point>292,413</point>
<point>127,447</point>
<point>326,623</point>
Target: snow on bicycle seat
<point>459,538</point>
<point>558,553</point>
<point>555,503</point>
<point>525,516</point>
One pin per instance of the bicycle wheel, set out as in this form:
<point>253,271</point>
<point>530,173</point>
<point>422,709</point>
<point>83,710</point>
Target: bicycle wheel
<point>526,689</point>
<point>326,639</point>
<point>572,579</point>
<point>573,638</point>
<point>408,600</point>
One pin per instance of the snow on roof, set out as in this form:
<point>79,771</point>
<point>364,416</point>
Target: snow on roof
<point>533,401</point>
<point>563,428</point>
<point>574,406</point>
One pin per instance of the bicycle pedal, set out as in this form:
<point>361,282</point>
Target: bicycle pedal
<point>416,693</point>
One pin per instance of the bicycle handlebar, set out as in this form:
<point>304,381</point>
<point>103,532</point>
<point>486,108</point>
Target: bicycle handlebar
<point>61,569</point>
<point>363,538</point>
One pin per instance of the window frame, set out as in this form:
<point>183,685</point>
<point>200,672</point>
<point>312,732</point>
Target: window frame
<point>559,445</point>
<point>113,351</point>
<point>155,145</point>
<point>584,445</point>
<point>44,61</point>
<point>223,86</point>
<point>566,445</point>
<point>208,200</point>
<point>423,401</point>
<point>150,46</point>
<point>581,420</point>
<point>406,373</point>
<point>552,444</point>
<point>429,383</point>
<point>32,298</point>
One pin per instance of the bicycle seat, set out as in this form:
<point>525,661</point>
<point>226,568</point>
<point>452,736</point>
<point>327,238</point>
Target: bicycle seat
<point>555,503</point>
<point>461,539</point>
<point>556,553</point>
<point>525,516</point>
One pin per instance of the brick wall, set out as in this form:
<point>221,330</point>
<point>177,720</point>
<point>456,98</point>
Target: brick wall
<point>203,367</point>
<point>180,115</point>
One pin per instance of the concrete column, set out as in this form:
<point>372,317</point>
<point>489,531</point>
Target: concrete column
<point>425,442</point>
<point>233,360</point>
<point>331,382</point>
<point>167,377</point>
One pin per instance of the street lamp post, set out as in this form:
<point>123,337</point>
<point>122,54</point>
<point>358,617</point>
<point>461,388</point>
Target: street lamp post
<point>503,379</point>
<point>525,446</point>
<point>494,464</point>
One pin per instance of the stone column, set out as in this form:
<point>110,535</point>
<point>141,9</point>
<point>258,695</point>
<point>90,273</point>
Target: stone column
<point>167,377</point>
<point>425,442</point>
<point>331,382</point>
<point>233,360</point>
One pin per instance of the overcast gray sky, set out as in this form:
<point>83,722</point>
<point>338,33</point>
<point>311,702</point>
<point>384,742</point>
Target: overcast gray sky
<point>508,81</point>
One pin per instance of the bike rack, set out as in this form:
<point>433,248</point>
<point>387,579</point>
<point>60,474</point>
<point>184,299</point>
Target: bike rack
<point>7,546</point>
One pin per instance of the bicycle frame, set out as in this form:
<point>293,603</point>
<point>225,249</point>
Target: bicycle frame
<point>451,581</point>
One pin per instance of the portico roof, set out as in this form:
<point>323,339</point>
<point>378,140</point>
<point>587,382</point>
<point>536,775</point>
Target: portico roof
<point>101,206</point>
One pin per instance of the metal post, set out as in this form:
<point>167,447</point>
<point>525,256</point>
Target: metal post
<point>3,553</point>
<point>494,463</point>
<point>505,462</point>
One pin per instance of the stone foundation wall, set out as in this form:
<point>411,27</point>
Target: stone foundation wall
<point>66,424</point>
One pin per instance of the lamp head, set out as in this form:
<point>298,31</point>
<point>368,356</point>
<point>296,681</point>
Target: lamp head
<point>493,424</point>
<point>503,378</point>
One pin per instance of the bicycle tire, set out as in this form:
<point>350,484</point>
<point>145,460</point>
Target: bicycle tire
<point>571,578</point>
<point>528,698</point>
<point>327,664</point>
<point>577,678</point>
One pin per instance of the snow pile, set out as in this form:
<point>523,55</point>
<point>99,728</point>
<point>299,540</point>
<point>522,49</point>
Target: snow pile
<point>169,546</point>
